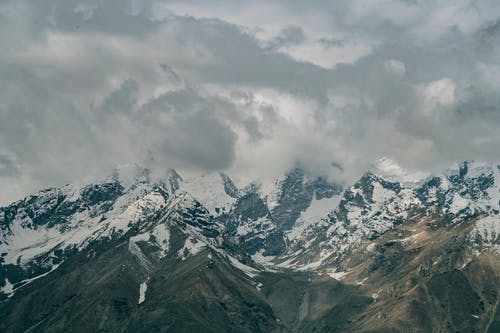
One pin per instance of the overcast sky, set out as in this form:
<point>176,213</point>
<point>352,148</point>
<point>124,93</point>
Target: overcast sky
<point>248,87</point>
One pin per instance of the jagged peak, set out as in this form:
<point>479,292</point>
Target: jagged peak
<point>173,179</point>
<point>471,169</point>
<point>214,190</point>
<point>229,186</point>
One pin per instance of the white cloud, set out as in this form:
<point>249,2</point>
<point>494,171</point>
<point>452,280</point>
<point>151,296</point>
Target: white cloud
<point>438,95</point>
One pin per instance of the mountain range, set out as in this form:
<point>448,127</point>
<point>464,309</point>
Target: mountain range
<point>393,252</point>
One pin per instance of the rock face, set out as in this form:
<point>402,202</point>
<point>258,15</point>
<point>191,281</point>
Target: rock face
<point>392,252</point>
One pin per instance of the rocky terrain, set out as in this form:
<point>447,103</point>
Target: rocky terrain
<point>393,252</point>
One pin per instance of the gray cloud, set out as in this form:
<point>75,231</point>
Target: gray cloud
<point>123,99</point>
<point>8,166</point>
<point>289,36</point>
<point>200,140</point>
<point>88,85</point>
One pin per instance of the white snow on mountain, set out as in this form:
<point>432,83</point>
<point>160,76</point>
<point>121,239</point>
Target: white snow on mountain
<point>192,246</point>
<point>158,237</point>
<point>23,241</point>
<point>317,210</point>
<point>249,271</point>
<point>209,191</point>
<point>8,288</point>
<point>143,287</point>
<point>270,191</point>
<point>261,224</point>
<point>486,232</point>
<point>374,211</point>
<point>325,231</point>
<point>136,251</point>
<point>161,235</point>
<point>458,203</point>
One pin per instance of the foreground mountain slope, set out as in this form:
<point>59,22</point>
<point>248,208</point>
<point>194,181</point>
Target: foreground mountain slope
<point>392,252</point>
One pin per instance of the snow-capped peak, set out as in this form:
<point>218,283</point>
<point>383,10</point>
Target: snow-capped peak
<point>211,190</point>
<point>471,169</point>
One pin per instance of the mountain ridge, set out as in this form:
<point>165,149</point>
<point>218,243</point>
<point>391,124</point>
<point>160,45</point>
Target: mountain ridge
<point>286,234</point>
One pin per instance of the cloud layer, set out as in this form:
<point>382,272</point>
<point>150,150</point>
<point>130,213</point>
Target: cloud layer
<point>249,87</point>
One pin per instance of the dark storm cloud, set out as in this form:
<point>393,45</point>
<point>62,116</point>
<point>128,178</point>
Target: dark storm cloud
<point>200,140</point>
<point>248,87</point>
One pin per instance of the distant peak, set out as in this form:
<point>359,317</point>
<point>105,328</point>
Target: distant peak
<point>471,169</point>
<point>229,186</point>
<point>173,179</point>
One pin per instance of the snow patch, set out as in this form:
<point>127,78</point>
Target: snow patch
<point>486,230</point>
<point>142,292</point>
<point>8,288</point>
<point>337,275</point>
<point>458,204</point>
<point>361,282</point>
<point>249,271</point>
<point>161,233</point>
<point>191,247</point>
<point>136,250</point>
<point>260,258</point>
<point>317,210</point>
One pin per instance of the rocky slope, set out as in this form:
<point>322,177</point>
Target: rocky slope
<point>393,252</point>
